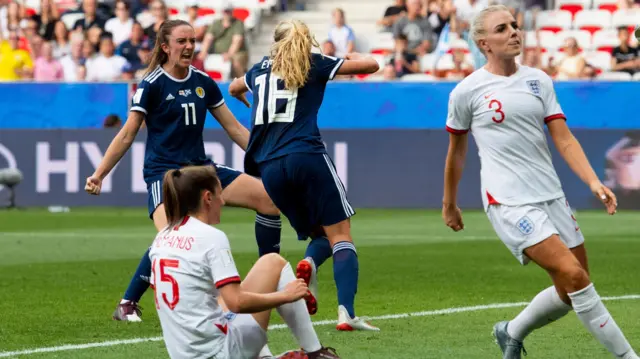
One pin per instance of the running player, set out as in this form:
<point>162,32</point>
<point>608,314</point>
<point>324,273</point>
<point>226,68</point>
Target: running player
<point>173,100</point>
<point>195,278</point>
<point>506,106</point>
<point>287,151</point>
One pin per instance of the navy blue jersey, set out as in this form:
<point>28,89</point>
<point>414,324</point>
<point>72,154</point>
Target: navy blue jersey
<point>286,121</point>
<point>175,113</point>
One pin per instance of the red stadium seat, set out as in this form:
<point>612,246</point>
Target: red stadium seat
<point>173,11</point>
<point>593,20</point>
<point>572,6</point>
<point>554,20</point>
<point>30,12</point>
<point>241,13</point>
<point>204,11</point>
<point>607,5</point>
<point>215,75</point>
<point>605,40</point>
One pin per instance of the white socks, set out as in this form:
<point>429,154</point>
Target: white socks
<point>265,352</point>
<point>545,308</point>
<point>296,315</point>
<point>595,317</point>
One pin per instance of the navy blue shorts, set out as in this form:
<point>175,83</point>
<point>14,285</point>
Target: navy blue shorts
<point>154,185</point>
<point>307,190</point>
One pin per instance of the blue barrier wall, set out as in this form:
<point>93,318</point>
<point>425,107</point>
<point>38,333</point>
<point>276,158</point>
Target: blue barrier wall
<point>350,105</point>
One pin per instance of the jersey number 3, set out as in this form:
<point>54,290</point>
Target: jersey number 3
<point>165,277</point>
<point>271,100</point>
<point>497,107</point>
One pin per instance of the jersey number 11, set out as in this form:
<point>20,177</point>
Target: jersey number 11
<point>271,99</point>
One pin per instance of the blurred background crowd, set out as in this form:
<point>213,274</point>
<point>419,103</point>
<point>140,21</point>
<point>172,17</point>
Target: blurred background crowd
<point>413,40</point>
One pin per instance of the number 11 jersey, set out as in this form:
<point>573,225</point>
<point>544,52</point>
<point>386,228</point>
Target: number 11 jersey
<point>286,121</point>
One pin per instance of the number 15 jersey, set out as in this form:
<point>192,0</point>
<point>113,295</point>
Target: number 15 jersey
<point>286,121</point>
<point>506,116</point>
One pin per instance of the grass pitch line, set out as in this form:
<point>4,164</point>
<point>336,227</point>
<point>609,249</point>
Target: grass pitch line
<point>429,313</point>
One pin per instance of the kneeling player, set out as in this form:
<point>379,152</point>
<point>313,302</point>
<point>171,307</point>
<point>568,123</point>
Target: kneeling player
<point>194,278</point>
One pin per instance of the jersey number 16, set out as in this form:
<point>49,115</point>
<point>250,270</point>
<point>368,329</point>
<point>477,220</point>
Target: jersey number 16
<point>271,99</point>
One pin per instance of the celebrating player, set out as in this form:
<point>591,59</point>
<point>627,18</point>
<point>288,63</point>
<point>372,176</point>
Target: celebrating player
<point>287,151</point>
<point>193,269</point>
<point>506,106</point>
<point>173,100</point>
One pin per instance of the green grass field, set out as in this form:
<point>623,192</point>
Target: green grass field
<point>62,274</point>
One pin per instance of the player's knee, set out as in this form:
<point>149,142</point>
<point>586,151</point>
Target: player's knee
<point>274,260</point>
<point>573,277</point>
<point>266,206</point>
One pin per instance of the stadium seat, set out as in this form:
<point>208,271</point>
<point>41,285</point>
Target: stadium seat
<point>605,40</point>
<point>636,76</point>
<point>573,6</point>
<point>374,78</point>
<point>458,44</point>
<point>427,62</point>
<point>204,11</point>
<point>417,78</point>
<point>382,43</point>
<point>608,5</point>
<point>583,38</point>
<point>548,40</point>
<point>217,68</point>
<point>69,19</point>
<point>553,20</point>
<point>615,76</point>
<point>599,59</point>
<point>174,11</point>
<point>445,62</point>
<point>629,18</point>
<point>592,20</point>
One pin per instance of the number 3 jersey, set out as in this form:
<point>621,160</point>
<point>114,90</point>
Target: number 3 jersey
<point>175,111</point>
<point>286,121</point>
<point>189,263</point>
<point>506,116</point>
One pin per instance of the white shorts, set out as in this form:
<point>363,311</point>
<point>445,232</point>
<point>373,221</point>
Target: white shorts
<point>520,227</point>
<point>245,338</point>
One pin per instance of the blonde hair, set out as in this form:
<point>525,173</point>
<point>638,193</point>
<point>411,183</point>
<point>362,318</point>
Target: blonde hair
<point>291,52</point>
<point>478,30</point>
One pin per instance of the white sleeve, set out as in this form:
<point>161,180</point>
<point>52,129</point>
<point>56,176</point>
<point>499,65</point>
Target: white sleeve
<point>223,267</point>
<point>552,109</point>
<point>459,113</point>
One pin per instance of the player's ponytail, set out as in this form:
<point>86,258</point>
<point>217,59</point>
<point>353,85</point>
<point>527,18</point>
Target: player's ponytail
<point>182,191</point>
<point>158,56</point>
<point>291,52</point>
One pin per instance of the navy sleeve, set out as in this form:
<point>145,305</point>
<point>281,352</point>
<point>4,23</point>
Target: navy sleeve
<point>213,97</point>
<point>326,67</point>
<point>142,100</point>
<point>248,77</point>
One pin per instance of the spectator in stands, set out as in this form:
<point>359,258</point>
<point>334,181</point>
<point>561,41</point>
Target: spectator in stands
<point>573,64</point>
<point>439,13</point>
<point>160,14</point>
<point>392,14</point>
<point>199,23</point>
<point>342,35</point>
<point>91,17</point>
<point>226,37</point>
<point>15,63</point>
<point>402,62</point>
<point>61,43</point>
<point>130,49</point>
<point>71,62</point>
<point>107,66</point>
<point>13,19</point>
<point>47,19</point>
<point>112,121</point>
<point>460,70</point>
<point>35,45</point>
<point>121,25</point>
<point>416,28</point>
<point>624,57</point>
<point>47,68</point>
<point>328,48</point>
<point>94,34</point>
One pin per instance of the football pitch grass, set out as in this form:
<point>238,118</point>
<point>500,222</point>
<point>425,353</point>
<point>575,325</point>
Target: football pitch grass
<point>438,292</point>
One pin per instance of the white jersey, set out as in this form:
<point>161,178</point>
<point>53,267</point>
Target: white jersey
<point>189,263</point>
<point>506,116</point>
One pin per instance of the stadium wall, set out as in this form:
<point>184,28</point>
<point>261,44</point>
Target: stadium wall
<point>347,105</point>
<point>389,168</point>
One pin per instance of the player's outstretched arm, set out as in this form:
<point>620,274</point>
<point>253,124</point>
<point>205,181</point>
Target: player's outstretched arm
<point>453,168</point>
<point>238,88</point>
<point>572,152</point>
<point>118,147</point>
<point>356,64</point>
<point>236,131</point>
<point>239,300</point>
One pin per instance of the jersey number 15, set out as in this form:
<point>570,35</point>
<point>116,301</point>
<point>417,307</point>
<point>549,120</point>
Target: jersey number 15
<point>271,99</point>
<point>165,277</point>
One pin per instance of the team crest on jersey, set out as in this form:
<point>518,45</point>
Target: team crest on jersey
<point>200,92</point>
<point>534,86</point>
<point>184,93</point>
<point>525,226</point>
<point>229,316</point>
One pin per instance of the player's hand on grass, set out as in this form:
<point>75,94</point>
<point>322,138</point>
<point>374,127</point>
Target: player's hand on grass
<point>295,290</point>
<point>452,216</point>
<point>93,185</point>
<point>605,195</point>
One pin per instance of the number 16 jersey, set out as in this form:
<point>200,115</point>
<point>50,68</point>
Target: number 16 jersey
<point>506,116</point>
<point>286,121</point>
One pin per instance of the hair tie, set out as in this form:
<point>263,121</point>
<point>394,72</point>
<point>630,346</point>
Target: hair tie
<point>177,173</point>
